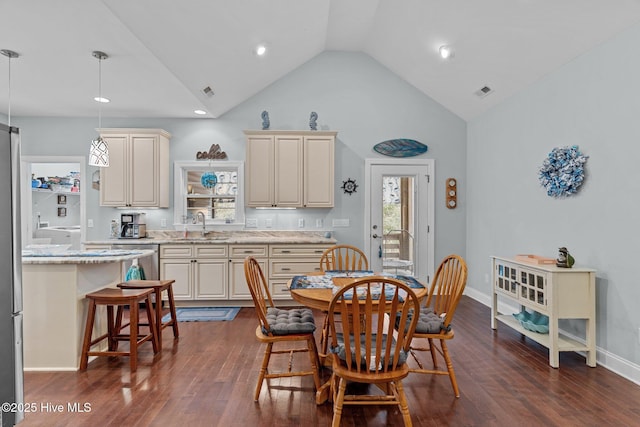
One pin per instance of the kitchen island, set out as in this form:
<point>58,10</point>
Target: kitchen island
<point>54,286</point>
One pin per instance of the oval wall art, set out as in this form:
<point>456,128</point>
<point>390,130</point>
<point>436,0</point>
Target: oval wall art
<point>400,147</point>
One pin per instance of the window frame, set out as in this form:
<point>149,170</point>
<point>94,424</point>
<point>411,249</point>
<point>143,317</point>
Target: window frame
<point>180,195</point>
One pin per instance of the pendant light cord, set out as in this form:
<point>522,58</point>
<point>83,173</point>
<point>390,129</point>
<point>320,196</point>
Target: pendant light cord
<point>100,56</point>
<point>100,92</point>
<point>9,92</point>
<point>9,54</point>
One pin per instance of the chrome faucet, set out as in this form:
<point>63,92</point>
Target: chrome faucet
<point>204,224</point>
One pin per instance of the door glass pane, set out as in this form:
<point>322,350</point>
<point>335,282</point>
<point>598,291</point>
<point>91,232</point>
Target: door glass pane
<point>398,249</point>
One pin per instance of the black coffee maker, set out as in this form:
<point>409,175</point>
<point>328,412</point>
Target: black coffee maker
<point>133,226</point>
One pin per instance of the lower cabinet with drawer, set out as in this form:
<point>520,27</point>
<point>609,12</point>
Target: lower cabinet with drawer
<point>238,287</point>
<point>286,261</point>
<point>200,271</point>
<point>216,271</point>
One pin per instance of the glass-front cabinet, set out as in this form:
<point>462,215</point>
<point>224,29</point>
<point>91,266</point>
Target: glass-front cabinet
<point>213,189</point>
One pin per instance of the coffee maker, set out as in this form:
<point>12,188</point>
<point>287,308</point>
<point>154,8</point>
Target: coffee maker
<point>133,226</point>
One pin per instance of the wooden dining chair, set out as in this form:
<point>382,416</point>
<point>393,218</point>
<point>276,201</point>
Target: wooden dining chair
<point>365,348</point>
<point>343,258</point>
<point>276,326</point>
<point>434,325</point>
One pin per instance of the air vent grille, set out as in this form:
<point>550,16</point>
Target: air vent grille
<point>483,91</point>
<point>208,91</point>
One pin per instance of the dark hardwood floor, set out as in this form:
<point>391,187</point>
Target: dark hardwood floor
<point>207,378</point>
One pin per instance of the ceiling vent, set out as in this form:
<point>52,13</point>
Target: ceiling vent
<point>208,91</point>
<point>483,91</point>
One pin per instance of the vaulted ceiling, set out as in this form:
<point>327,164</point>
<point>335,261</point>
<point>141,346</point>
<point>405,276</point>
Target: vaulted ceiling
<point>163,53</point>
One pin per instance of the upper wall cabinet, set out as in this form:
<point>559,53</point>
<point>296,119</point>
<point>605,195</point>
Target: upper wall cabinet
<point>138,172</point>
<point>290,168</point>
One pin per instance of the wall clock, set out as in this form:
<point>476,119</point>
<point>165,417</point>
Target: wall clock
<point>349,186</point>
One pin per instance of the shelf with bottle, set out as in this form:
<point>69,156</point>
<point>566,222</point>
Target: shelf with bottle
<point>69,184</point>
<point>55,191</point>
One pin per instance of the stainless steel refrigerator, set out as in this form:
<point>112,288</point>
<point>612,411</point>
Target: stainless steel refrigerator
<point>11,365</point>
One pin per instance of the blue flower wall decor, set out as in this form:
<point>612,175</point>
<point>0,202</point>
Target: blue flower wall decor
<point>562,172</point>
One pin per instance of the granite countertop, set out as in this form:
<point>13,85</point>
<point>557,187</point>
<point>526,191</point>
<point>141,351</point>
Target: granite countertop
<point>84,257</point>
<point>224,237</point>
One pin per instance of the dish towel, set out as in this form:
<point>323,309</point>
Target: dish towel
<point>135,272</point>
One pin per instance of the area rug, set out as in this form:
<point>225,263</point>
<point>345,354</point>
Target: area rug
<point>203,314</point>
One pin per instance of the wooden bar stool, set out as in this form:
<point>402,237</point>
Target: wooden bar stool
<point>158,287</point>
<point>119,297</point>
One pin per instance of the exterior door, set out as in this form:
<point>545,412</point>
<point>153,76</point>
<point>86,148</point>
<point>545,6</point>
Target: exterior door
<point>399,216</point>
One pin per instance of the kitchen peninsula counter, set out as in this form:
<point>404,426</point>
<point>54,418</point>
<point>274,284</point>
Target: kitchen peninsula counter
<point>54,288</point>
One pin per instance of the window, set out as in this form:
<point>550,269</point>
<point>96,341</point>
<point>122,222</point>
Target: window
<point>214,188</point>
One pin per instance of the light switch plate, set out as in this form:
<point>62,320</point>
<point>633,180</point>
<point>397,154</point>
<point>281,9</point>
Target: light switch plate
<point>268,223</point>
<point>251,223</point>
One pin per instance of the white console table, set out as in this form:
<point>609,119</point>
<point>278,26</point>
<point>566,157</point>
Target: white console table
<point>560,293</point>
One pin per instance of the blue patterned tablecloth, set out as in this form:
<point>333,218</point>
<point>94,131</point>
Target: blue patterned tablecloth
<point>326,281</point>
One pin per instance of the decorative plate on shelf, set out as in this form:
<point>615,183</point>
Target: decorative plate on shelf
<point>208,180</point>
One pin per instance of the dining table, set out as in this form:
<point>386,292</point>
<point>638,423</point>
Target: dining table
<point>315,290</point>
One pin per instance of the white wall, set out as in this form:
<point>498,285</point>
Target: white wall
<point>592,102</point>
<point>352,94</point>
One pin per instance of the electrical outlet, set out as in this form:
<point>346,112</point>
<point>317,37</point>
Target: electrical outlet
<point>341,222</point>
<point>163,222</point>
<point>268,223</point>
<point>319,223</point>
<point>90,223</point>
<point>251,223</point>
<point>300,222</point>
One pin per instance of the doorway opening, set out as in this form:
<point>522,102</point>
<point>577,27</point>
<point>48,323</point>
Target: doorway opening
<point>53,203</point>
<point>399,216</point>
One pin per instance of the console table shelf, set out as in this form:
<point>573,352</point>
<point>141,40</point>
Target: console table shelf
<point>559,293</point>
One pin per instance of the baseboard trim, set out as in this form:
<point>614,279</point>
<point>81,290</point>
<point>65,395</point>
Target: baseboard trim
<point>604,358</point>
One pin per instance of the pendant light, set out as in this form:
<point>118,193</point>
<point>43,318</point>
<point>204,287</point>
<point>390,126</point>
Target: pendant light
<point>9,54</point>
<point>99,152</point>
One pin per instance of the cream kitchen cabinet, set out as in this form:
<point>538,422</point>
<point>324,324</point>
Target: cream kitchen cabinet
<point>238,288</point>
<point>200,271</point>
<point>138,172</point>
<point>286,261</point>
<point>290,168</point>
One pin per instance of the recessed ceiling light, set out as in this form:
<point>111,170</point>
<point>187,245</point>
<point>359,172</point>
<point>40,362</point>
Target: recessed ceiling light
<point>261,50</point>
<point>101,99</point>
<point>200,112</point>
<point>446,52</point>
